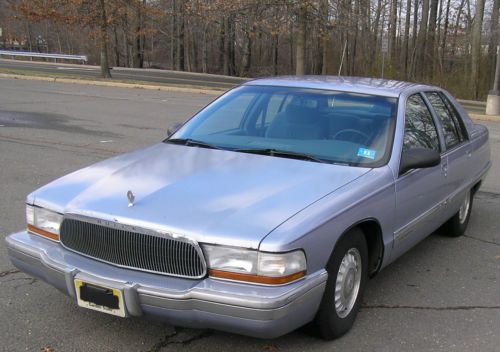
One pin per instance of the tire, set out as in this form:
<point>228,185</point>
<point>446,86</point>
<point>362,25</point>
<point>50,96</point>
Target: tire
<point>333,322</point>
<point>457,224</point>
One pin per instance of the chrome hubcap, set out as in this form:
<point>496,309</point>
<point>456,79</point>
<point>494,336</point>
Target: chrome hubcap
<point>348,282</point>
<point>464,209</point>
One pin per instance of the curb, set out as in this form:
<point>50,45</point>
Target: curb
<point>114,84</point>
<point>480,117</point>
<point>125,69</point>
<point>472,102</point>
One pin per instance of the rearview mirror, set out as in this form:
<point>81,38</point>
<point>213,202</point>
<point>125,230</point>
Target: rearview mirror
<point>418,158</point>
<point>173,128</point>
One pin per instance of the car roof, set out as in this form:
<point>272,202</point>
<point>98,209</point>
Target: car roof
<point>363,85</point>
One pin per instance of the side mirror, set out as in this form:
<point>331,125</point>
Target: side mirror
<point>418,158</point>
<point>173,128</point>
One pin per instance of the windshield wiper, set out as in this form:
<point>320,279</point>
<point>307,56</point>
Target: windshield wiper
<point>192,143</point>
<point>283,154</point>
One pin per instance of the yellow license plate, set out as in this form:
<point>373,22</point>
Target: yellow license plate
<point>100,298</point>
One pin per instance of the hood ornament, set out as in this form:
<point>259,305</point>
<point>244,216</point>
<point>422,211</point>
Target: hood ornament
<point>131,198</point>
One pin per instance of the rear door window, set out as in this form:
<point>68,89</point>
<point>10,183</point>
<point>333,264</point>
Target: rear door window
<point>455,116</point>
<point>453,133</point>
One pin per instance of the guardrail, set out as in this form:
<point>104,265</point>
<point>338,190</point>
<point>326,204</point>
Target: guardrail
<point>55,57</point>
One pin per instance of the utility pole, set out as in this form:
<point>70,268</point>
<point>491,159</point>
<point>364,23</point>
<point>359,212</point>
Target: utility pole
<point>493,102</point>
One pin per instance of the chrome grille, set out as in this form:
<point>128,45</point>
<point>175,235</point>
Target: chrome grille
<point>133,248</point>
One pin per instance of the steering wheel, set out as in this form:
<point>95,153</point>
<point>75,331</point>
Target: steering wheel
<point>358,136</point>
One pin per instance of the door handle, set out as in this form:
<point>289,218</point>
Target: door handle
<point>444,167</point>
<point>468,153</point>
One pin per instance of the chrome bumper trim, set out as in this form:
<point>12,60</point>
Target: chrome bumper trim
<point>280,308</point>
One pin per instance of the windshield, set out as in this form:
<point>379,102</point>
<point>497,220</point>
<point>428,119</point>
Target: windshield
<point>331,126</point>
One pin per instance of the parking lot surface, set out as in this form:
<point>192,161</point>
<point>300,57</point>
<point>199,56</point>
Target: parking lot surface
<point>443,295</point>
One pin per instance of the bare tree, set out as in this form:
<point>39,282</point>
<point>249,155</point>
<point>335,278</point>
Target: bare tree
<point>430,40</point>
<point>477,25</point>
<point>301,39</point>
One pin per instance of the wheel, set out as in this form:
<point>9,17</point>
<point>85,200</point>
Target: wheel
<point>347,275</point>
<point>457,224</point>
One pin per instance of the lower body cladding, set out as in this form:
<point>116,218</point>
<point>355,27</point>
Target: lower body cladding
<point>259,311</point>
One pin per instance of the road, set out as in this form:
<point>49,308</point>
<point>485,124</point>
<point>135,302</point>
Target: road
<point>442,295</point>
<point>153,76</point>
<point>119,73</point>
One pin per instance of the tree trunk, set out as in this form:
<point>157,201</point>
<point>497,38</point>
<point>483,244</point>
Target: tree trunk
<point>232,53</point>
<point>406,38</point>
<point>194,53</point>
<point>227,48</point>
<point>117,46</point>
<point>367,50</point>
<point>300,65</point>
<point>179,64</point>
<point>455,31</point>
<point>376,24</point>
<point>275,54</point>
<point>103,40</point>
<point>138,48</point>
<point>392,30</point>
<point>204,56</point>
<point>431,39</point>
<point>30,37</point>
<point>290,44</point>
<point>222,45</point>
<point>247,54</point>
<point>421,45</point>
<point>445,32</point>
<point>438,28</point>
<point>323,8</point>
<point>477,25</point>
<point>173,35</point>
<point>413,47</point>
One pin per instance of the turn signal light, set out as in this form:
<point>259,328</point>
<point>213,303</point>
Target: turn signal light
<point>50,235</point>
<point>267,280</point>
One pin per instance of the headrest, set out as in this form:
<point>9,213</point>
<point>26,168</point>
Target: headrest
<point>301,114</point>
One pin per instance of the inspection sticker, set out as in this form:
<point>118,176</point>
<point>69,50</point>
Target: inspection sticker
<point>367,153</point>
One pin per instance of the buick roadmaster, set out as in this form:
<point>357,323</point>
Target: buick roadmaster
<point>268,210</point>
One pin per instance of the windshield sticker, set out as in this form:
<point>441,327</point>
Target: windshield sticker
<point>367,153</point>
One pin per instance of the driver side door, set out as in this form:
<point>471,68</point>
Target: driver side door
<point>419,192</point>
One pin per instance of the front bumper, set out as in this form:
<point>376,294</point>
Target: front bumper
<point>259,311</point>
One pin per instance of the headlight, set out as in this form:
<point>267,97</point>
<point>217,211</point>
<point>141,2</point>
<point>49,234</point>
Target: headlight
<point>43,222</point>
<point>254,266</point>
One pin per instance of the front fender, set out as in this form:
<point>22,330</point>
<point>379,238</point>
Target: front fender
<point>317,228</point>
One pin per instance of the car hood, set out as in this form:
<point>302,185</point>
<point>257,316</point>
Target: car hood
<point>213,196</point>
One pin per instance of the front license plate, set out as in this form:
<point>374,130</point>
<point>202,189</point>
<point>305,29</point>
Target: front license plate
<point>103,299</point>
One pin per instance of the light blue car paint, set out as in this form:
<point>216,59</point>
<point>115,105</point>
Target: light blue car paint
<point>272,204</point>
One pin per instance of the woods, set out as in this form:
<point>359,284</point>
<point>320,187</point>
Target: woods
<point>451,43</point>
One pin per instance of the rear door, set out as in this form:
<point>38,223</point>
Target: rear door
<point>457,148</point>
<point>419,192</point>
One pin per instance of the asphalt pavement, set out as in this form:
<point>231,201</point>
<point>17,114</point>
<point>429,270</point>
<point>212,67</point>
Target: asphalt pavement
<point>443,295</point>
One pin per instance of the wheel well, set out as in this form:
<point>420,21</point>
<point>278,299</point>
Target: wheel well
<point>373,235</point>
<point>476,187</point>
